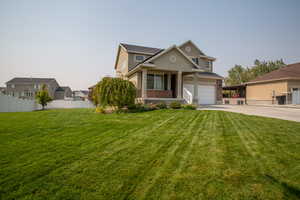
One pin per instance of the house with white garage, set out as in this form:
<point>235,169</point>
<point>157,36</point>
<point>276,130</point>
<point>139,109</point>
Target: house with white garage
<point>179,73</point>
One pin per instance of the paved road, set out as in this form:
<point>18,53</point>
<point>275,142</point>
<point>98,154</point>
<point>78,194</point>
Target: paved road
<point>275,112</point>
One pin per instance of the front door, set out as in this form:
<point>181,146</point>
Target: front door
<point>173,85</point>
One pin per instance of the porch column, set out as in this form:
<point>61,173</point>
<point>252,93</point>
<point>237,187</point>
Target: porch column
<point>195,83</point>
<point>169,81</point>
<point>179,84</point>
<point>144,83</point>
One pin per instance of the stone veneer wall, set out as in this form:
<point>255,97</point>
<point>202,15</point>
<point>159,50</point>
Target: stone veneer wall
<point>159,93</point>
<point>219,90</point>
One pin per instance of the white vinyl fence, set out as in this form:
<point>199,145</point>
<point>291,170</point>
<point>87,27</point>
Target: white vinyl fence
<point>296,97</point>
<point>13,104</point>
<point>56,104</point>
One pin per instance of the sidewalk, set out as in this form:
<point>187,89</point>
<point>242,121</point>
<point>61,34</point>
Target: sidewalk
<point>279,106</point>
<point>286,112</point>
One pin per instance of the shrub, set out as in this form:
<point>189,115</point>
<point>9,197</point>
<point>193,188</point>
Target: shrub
<point>175,105</point>
<point>135,108</point>
<point>161,105</point>
<point>114,92</point>
<point>100,110</point>
<point>190,107</point>
<point>132,106</point>
<point>122,110</point>
<point>152,106</point>
<point>43,97</point>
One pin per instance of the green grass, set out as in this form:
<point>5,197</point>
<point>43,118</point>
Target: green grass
<point>164,154</point>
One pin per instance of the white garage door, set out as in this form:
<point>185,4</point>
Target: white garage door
<point>296,97</point>
<point>206,94</point>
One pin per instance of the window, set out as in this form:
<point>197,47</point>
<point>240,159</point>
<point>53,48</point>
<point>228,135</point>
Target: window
<point>37,86</point>
<point>12,85</point>
<point>139,58</point>
<point>28,93</point>
<point>155,82</point>
<point>196,60</point>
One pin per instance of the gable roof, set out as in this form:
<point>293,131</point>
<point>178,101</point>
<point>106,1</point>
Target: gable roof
<point>190,41</point>
<point>171,48</point>
<point>162,52</point>
<point>140,49</point>
<point>146,60</point>
<point>291,71</point>
<point>30,80</point>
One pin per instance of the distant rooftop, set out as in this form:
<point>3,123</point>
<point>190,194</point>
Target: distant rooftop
<point>30,80</point>
<point>63,88</point>
<point>291,71</point>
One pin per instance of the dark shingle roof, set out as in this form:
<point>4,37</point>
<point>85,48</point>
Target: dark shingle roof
<point>131,68</point>
<point>30,80</point>
<point>288,72</point>
<point>210,74</point>
<point>140,49</point>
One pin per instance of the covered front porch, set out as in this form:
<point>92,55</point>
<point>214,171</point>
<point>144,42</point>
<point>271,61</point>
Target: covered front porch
<point>155,86</point>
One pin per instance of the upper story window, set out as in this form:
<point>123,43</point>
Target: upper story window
<point>139,58</point>
<point>12,85</point>
<point>196,60</point>
<point>36,86</point>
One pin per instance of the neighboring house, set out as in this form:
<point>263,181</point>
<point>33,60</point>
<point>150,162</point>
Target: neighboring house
<point>2,90</point>
<point>90,94</point>
<point>63,92</point>
<point>281,86</point>
<point>27,88</point>
<point>80,94</point>
<point>178,73</point>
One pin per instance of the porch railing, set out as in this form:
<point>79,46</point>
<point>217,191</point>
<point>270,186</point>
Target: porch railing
<point>187,95</point>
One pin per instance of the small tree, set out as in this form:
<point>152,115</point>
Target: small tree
<point>115,92</point>
<point>43,97</point>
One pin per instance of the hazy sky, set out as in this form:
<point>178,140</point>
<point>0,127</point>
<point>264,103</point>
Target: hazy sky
<point>76,41</point>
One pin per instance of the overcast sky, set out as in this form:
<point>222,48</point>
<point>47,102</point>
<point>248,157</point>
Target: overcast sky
<point>76,41</point>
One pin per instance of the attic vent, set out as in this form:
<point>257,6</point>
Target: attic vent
<point>173,58</point>
<point>188,49</point>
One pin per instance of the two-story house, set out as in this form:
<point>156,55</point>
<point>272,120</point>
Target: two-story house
<point>27,88</point>
<point>179,73</point>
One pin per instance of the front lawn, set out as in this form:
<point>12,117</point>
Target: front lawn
<point>164,154</point>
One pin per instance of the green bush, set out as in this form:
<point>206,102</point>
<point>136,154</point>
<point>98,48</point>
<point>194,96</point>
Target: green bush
<point>136,108</point>
<point>175,105</point>
<point>100,110</point>
<point>114,92</point>
<point>161,105</point>
<point>43,96</point>
<point>189,107</point>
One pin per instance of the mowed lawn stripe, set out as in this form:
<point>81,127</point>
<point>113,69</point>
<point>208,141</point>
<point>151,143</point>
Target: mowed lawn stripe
<point>153,185</point>
<point>172,134</point>
<point>261,162</point>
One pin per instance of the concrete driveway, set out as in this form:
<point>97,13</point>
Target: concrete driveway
<point>287,113</point>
